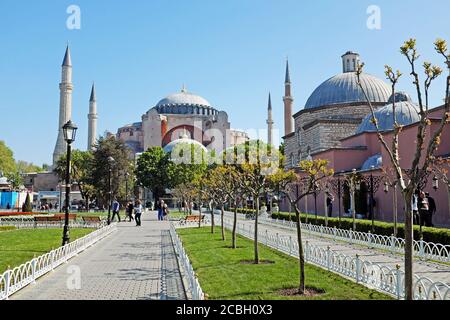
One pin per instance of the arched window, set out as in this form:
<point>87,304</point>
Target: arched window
<point>299,137</point>
<point>292,160</point>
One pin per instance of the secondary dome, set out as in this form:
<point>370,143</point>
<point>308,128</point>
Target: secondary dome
<point>183,98</point>
<point>406,113</point>
<point>343,88</point>
<point>375,162</point>
<point>184,140</point>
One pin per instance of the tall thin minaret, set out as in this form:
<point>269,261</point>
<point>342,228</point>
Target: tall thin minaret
<point>65,105</point>
<point>269,122</point>
<point>92,116</point>
<point>288,100</point>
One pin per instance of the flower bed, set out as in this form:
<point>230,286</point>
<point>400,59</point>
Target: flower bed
<point>11,214</point>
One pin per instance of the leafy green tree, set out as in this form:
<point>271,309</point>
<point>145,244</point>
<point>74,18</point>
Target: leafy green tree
<point>104,148</point>
<point>24,167</point>
<point>7,163</point>
<point>153,172</point>
<point>15,179</point>
<point>82,168</point>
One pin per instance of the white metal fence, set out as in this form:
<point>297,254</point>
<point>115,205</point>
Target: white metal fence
<point>373,275</point>
<point>14,280</point>
<point>194,289</point>
<point>422,249</point>
<point>30,223</point>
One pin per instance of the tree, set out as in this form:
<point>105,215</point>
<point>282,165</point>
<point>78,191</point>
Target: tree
<point>424,152</point>
<point>7,163</point>
<point>82,170</point>
<point>152,171</point>
<point>103,149</point>
<point>296,186</point>
<point>27,167</point>
<point>261,161</point>
<point>27,204</point>
<point>15,179</point>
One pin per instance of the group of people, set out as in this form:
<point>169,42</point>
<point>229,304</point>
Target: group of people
<point>137,209</point>
<point>424,207</point>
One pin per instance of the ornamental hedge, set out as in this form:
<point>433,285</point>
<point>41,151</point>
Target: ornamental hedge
<point>435,235</point>
<point>7,228</point>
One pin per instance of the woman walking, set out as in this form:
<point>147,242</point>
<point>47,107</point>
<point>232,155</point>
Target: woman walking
<point>138,213</point>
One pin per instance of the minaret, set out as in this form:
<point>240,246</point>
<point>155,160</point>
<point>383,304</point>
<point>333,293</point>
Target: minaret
<point>65,105</point>
<point>269,122</point>
<point>92,116</point>
<point>288,100</point>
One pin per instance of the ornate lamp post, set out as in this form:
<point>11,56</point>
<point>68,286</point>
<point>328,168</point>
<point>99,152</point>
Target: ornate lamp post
<point>111,162</point>
<point>127,175</point>
<point>70,130</point>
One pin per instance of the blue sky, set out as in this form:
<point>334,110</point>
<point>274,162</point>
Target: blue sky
<point>230,52</point>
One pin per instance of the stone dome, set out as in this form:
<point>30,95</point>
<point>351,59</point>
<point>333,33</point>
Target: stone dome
<point>183,140</point>
<point>185,102</point>
<point>406,111</point>
<point>375,161</point>
<point>343,88</point>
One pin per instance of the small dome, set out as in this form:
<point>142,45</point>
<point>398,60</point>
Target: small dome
<point>183,98</point>
<point>375,161</point>
<point>343,88</point>
<point>406,113</point>
<point>183,140</point>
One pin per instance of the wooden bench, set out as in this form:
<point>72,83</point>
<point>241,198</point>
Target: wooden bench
<point>62,216</point>
<point>193,218</point>
<point>92,219</point>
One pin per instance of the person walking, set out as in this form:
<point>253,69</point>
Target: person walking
<point>115,210</point>
<point>415,209</point>
<point>161,210</point>
<point>129,209</point>
<point>138,213</point>
<point>424,208</point>
<point>431,211</point>
<point>330,200</point>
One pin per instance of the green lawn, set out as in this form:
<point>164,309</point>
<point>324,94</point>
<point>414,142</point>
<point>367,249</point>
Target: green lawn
<point>222,275</point>
<point>19,246</point>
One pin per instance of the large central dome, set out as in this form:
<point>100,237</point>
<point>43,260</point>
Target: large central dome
<point>343,88</point>
<point>183,98</point>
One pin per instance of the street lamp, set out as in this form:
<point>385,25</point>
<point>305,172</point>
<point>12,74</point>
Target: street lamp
<point>69,130</point>
<point>127,175</point>
<point>110,163</point>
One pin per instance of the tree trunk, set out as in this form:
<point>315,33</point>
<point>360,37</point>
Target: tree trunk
<point>301,256</point>
<point>448,197</point>
<point>409,236</point>
<point>211,207</point>
<point>395,212</point>
<point>222,214</point>
<point>233,235</point>
<point>199,215</point>
<point>256,200</point>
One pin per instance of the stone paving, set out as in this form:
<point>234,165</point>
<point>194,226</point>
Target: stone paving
<point>431,270</point>
<point>134,263</point>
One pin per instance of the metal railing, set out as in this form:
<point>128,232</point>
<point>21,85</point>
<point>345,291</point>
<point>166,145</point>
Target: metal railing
<point>194,289</point>
<point>421,249</point>
<point>16,279</point>
<point>376,276</point>
<point>30,223</point>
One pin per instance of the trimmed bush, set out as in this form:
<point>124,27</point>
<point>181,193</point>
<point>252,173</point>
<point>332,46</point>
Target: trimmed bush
<point>7,228</point>
<point>435,235</point>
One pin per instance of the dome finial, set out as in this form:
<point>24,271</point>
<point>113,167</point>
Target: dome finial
<point>183,89</point>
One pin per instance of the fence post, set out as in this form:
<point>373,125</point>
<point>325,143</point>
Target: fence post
<point>328,258</point>
<point>421,248</point>
<point>52,259</point>
<point>7,281</point>
<point>351,236</point>
<point>399,280</point>
<point>33,270</point>
<point>392,243</point>
<point>290,245</point>
<point>358,267</point>
<point>278,241</point>
<point>370,239</point>
<point>306,250</point>
<point>334,233</point>
<point>267,238</point>
<point>321,230</point>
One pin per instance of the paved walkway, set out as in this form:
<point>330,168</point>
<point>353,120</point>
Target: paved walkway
<point>431,270</point>
<point>134,263</point>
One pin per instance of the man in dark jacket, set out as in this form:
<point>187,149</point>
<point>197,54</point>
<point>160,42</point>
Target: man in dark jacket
<point>431,211</point>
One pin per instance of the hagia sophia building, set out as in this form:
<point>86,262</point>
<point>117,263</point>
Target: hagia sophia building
<point>181,117</point>
<point>335,124</point>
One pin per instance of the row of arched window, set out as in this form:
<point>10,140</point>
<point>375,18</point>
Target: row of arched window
<point>187,109</point>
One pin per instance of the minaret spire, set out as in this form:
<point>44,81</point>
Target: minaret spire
<point>288,101</point>
<point>92,117</point>
<point>65,104</point>
<point>269,122</point>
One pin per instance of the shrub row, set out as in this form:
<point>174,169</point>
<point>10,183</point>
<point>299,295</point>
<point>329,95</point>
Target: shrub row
<point>435,235</point>
<point>7,228</point>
